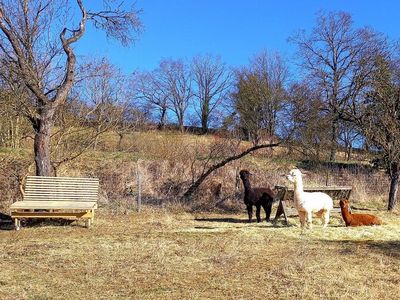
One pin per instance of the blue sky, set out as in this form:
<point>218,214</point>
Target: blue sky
<point>235,30</point>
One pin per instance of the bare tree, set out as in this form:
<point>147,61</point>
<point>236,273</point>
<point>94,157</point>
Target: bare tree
<point>13,98</point>
<point>41,56</point>
<point>177,79</point>
<point>212,83</point>
<point>349,136</point>
<point>152,88</point>
<point>259,94</point>
<point>338,60</point>
<point>12,126</point>
<point>378,116</point>
<point>71,137</point>
<point>103,91</point>
<point>307,128</point>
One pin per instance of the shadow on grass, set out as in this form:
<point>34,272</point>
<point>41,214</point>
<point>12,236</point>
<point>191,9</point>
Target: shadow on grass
<point>205,227</point>
<point>223,220</point>
<point>277,224</point>
<point>388,248</point>
<point>6,222</point>
<point>46,222</point>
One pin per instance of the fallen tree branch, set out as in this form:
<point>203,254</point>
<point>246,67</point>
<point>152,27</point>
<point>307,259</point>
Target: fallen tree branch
<point>193,188</point>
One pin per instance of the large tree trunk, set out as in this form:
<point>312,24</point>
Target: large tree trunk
<point>394,187</point>
<point>204,125</point>
<point>334,137</point>
<point>348,152</point>
<point>204,119</point>
<point>181,126</point>
<point>163,116</point>
<point>42,146</point>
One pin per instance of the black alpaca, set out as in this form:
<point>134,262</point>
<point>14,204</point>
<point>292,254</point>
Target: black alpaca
<point>256,196</point>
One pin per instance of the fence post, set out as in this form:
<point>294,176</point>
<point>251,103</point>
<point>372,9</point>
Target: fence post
<point>139,186</point>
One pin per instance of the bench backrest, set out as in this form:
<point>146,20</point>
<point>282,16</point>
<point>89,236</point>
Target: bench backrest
<point>39,188</point>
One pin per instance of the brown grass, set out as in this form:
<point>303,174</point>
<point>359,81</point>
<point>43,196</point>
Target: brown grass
<point>170,161</point>
<point>159,254</point>
<point>163,253</point>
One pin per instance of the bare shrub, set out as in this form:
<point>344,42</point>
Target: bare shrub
<point>13,170</point>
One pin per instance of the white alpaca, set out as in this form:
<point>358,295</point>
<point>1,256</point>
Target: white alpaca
<point>307,203</point>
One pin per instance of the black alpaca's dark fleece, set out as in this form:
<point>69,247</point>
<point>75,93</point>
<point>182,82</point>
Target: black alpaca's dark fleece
<point>256,196</point>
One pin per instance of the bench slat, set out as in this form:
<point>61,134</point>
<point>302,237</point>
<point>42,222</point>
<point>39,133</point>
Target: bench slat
<point>29,180</point>
<point>60,199</point>
<point>43,178</point>
<point>46,187</point>
<point>64,215</point>
<point>66,184</point>
<point>56,197</point>
<point>60,193</point>
<point>60,184</point>
<point>61,188</point>
<point>53,205</point>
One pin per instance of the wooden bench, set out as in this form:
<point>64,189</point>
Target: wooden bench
<point>284,193</point>
<point>57,197</point>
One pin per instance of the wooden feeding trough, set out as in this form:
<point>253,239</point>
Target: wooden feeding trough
<point>285,194</point>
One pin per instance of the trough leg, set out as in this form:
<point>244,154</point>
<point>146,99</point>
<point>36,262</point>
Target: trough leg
<point>92,216</point>
<point>17,224</point>
<point>281,210</point>
<point>88,223</point>
<point>309,219</point>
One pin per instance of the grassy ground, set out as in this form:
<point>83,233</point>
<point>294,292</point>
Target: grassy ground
<point>159,254</point>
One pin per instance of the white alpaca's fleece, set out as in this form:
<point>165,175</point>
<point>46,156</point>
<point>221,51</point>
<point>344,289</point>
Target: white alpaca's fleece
<point>307,203</point>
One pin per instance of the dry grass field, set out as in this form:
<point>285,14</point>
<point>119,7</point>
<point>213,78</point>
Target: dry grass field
<point>172,252</point>
<point>164,254</point>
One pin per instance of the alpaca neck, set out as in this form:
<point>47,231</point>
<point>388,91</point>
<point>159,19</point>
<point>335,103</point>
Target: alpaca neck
<point>346,214</point>
<point>298,190</point>
<point>247,185</point>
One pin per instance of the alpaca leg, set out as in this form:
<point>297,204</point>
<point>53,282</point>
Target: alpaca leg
<point>258,211</point>
<point>268,209</point>
<point>265,207</point>
<point>302,217</point>
<point>250,212</point>
<point>326,218</point>
<point>309,219</point>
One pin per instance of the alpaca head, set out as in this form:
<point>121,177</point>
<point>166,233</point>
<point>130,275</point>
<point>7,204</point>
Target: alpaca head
<point>344,204</point>
<point>294,176</point>
<point>244,174</point>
